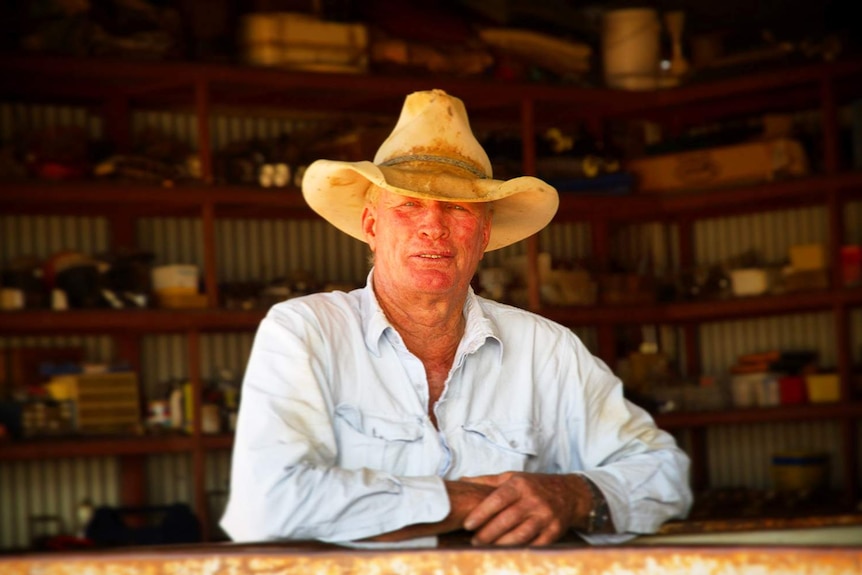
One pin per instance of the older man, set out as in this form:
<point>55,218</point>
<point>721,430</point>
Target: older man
<point>412,407</point>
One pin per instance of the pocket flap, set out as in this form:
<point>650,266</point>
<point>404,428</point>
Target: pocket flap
<point>374,425</point>
<point>520,438</point>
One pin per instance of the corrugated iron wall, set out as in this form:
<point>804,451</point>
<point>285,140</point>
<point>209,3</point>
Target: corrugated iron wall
<point>264,250</point>
<point>41,498</point>
<point>740,455</point>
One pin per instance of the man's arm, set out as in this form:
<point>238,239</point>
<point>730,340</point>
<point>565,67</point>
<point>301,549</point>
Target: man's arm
<point>464,497</point>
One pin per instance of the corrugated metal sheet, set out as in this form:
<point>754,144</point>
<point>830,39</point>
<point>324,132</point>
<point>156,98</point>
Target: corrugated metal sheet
<point>18,120</point>
<point>97,349</point>
<point>169,479</point>
<point>44,236</point>
<point>225,351</point>
<point>643,248</point>
<point>740,455</point>
<point>856,336</point>
<point>217,487</point>
<point>53,489</point>
<point>853,223</point>
<point>769,233</point>
<point>249,250</point>
<point>182,126</point>
<point>567,242</point>
<point>722,342</point>
<point>172,240</point>
<point>164,361</point>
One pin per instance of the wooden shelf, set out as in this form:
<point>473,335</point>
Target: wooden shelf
<point>692,419</point>
<point>211,320</point>
<point>105,197</point>
<point>216,442</point>
<point>710,310</point>
<point>65,447</point>
<point>719,202</point>
<point>172,83</point>
<point>135,321</point>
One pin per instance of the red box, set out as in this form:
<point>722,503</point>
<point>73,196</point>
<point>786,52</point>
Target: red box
<point>851,264</point>
<point>792,389</point>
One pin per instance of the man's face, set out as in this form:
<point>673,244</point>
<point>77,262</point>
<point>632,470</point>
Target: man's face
<point>426,245</point>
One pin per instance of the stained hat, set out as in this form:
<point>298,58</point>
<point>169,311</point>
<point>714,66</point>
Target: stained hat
<point>430,154</point>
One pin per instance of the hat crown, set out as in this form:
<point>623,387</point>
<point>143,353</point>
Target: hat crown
<point>433,126</point>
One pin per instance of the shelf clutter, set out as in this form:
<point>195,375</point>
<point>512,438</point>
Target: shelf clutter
<point>51,393</point>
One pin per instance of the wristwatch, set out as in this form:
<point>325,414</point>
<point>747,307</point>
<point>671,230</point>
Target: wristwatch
<point>600,513</point>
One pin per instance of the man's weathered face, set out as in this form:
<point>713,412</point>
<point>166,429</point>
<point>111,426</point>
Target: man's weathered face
<point>426,245</point>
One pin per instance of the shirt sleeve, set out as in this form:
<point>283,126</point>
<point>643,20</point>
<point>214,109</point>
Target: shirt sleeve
<point>639,468</point>
<point>285,483</point>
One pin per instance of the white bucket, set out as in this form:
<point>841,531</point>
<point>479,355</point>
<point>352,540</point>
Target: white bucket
<point>631,48</point>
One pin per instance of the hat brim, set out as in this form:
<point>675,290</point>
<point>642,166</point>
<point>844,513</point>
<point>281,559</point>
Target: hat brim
<point>336,191</point>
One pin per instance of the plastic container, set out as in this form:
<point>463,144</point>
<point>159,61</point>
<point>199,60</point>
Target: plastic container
<point>750,281</point>
<point>800,471</point>
<point>175,279</point>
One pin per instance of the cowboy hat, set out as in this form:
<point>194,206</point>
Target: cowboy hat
<point>430,154</point>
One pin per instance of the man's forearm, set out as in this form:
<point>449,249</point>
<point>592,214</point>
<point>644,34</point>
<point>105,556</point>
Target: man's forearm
<point>463,497</point>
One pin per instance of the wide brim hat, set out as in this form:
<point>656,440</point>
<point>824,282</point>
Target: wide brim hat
<point>430,154</point>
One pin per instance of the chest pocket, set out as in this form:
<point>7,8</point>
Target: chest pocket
<point>503,446</point>
<point>377,442</point>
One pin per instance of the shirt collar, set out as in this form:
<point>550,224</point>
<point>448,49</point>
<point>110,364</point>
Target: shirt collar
<point>479,329</point>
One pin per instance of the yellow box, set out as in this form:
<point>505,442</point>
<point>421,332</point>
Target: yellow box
<point>808,257</point>
<point>747,163</point>
<point>823,387</point>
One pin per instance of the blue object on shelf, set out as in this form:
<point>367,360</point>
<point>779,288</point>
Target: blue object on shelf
<point>618,184</point>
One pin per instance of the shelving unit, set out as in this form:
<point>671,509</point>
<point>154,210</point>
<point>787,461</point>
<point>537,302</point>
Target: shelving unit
<point>116,88</point>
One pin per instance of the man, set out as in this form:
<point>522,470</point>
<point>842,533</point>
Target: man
<point>412,407</point>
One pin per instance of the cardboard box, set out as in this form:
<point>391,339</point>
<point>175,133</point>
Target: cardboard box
<point>747,163</point>
<point>103,402</point>
<point>303,42</point>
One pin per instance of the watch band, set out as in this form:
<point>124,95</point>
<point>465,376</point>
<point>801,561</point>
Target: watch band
<point>600,514</point>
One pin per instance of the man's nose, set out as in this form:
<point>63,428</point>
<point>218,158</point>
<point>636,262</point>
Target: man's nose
<point>432,223</point>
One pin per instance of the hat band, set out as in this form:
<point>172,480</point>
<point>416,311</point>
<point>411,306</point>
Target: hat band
<point>438,159</point>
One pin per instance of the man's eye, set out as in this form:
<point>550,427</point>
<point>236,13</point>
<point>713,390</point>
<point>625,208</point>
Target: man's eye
<point>457,207</point>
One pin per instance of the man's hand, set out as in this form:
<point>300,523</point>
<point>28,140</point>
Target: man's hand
<point>528,508</point>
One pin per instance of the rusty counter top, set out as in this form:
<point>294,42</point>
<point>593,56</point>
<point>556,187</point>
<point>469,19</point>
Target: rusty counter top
<point>453,555</point>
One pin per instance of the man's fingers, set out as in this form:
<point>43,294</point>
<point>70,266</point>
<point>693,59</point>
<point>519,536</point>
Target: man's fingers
<point>509,527</point>
<point>498,500</point>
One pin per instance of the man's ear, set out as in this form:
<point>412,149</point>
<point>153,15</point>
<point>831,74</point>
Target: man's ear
<point>486,232</point>
<point>369,225</point>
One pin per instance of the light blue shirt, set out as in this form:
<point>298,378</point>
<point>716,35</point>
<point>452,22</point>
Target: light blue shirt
<point>334,441</point>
